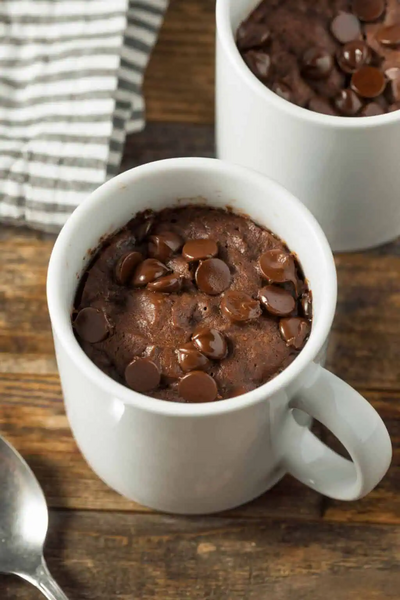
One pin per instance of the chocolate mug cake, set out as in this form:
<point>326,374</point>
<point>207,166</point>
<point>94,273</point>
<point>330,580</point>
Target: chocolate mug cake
<point>193,304</point>
<point>336,57</point>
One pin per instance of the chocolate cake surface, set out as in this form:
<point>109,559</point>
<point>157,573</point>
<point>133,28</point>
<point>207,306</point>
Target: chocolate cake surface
<point>192,304</point>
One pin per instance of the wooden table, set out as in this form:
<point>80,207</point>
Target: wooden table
<point>289,544</point>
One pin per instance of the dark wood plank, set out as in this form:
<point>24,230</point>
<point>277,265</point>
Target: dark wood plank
<point>26,344</point>
<point>179,84</point>
<point>32,417</point>
<point>382,505</point>
<point>289,544</point>
<point>168,140</point>
<point>24,236</point>
<point>365,344</point>
<point>125,556</point>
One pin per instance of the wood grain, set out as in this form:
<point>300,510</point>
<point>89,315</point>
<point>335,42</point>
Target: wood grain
<point>179,84</point>
<point>168,140</point>
<point>126,556</point>
<point>290,544</point>
<point>32,418</point>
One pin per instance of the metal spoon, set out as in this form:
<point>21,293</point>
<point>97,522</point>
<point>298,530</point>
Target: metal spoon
<point>23,523</point>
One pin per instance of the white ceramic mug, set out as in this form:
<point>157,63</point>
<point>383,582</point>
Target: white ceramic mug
<point>345,170</point>
<point>203,458</point>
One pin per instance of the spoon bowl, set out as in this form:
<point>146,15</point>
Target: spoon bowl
<point>23,523</point>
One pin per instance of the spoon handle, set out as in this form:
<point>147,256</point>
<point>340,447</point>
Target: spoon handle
<point>46,584</point>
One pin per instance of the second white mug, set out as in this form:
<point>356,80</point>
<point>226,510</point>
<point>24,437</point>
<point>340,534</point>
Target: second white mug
<point>345,170</point>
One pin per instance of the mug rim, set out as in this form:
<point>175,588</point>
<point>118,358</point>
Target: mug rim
<point>227,39</point>
<point>63,330</point>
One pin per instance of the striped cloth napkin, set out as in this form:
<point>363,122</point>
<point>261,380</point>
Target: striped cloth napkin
<point>71,74</point>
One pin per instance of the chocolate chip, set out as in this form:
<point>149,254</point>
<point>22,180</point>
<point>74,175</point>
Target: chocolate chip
<point>126,267</point>
<point>317,64</point>
<point>191,359</point>
<point>277,301</point>
<point>92,325</point>
<point>143,230</point>
<point>149,270</point>
<point>368,82</point>
<point>295,331</point>
<point>368,10</point>
<point>142,375</point>
<point>376,58</point>
<point>354,55</point>
<point>200,249</point>
<point>197,386</point>
<point>345,28</point>
<point>164,245</point>
<point>372,110</point>
<point>252,35</point>
<point>238,390</point>
<point>392,73</point>
<point>167,284</point>
<point>348,103</point>
<point>389,35</point>
<point>306,304</point>
<point>213,276</point>
<point>393,90</point>
<point>321,105</point>
<point>259,14</point>
<point>278,267</point>
<point>240,307</point>
<point>283,90</point>
<point>258,62</point>
<point>210,342</point>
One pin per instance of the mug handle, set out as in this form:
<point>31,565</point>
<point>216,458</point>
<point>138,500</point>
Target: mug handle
<point>354,422</point>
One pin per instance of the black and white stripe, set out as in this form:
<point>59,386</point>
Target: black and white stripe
<point>71,74</point>
<point>144,18</point>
